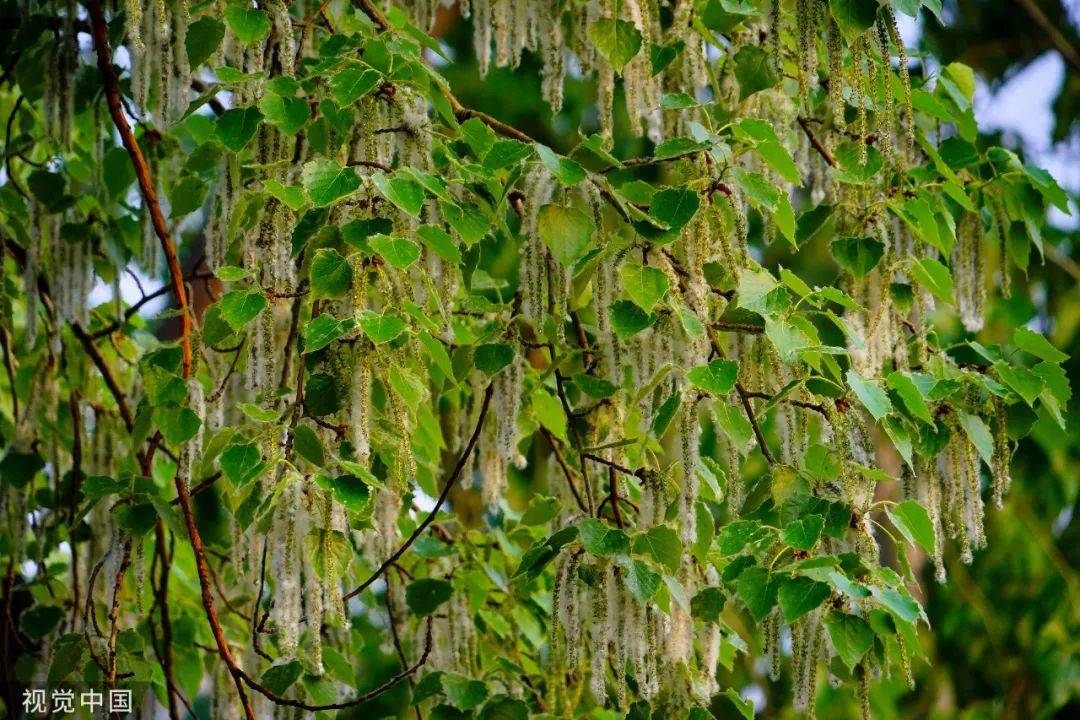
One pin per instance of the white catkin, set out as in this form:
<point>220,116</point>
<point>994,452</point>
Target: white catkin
<point>285,569</point>
<point>283,27</point>
<point>360,411</point>
<point>690,439</point>
<point>599,634</point>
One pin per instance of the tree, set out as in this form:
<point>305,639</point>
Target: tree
<point>566,426</point>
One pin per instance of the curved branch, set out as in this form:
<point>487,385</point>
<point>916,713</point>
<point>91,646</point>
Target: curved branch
<point>146,185</point>
<point>454,476</point>
<point>384,688</point>
<point>111,81</point>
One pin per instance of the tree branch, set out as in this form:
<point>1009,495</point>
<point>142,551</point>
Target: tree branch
<point>111,82</point>
<point>384,688</point>
<point>454,476</point>
<point>749,408</point>
<point>821,149</point>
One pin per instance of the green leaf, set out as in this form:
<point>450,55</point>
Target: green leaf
<point>247,23</point>
<point>817,222</point>
<point>1022,380</point>
<point>240,307</point>
<point>381,328</point>
<point>642,581</point>
<point>324,330</point>
<point>237,126</point>
<point>438,354</point>
<point>778,157</point>
<point>463,693</point>
<point>759,189</point>
<point>187,196</point>
<point>600,539</point>
<point>744,706</point>
<point>541,509</point>
<point>308,446</point>
<point>279,678</point>
<point>1032,342</point>
<point>660,56</point>
<point>799,595</point>
<point>409,386</point>
<point>935,277</point>
<point>258,414</point>
<point>349,490</point>
<point>567,232</point>
<point>662,544</point>
<point>754,71</point>
<point>708,604</point>
<point>755,289</point>
<point>439,242</point>
<point>857,255</point>
<point>353,83</point>
<point>490,358</point>
<point>424,596</point>
<point>331,275</point>
<point>803,534</point>
<point>676,147</point>
<point>758,590</point>
<point>505,153</point>
<point>674,206</point>
<point>241,463</point>
<point>137,519</point>
<point>870,395</point>
<point>910,395</point>
<point>645,285</point>
<point>594,387</point>
<point>326,181</point>
<point>548,411</point>
<point>617,40</point>
<point>289,114</point>
<point>291,195</point>
<point>203,38</point>
<point>628,319</point>
<point>403,191</point>
<point>979,435</point>
<point>564,169</point>
<point>39,621</point>
<point>854,17</point>
<point>397,252</point>
<point>914,523</point>
<point>1045,183</point>
<point>716,378</point>
<point>479,137</point>
<point>177,425</point>
<point>505,708</point>
<point>851,636</point>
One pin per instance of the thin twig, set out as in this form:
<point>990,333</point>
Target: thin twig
<point>821,149</point>
<point>749,408</point>
<point>454,476</point>
<point>384,688</point>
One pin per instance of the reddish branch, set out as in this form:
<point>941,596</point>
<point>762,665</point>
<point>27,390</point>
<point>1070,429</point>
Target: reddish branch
<point>106,374</point>
<point>454,476</point>
<point>146,184</point>
<point>114,611</point>
<point>113,99</point>
<point>749,408</point>
<point>821,149</point>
